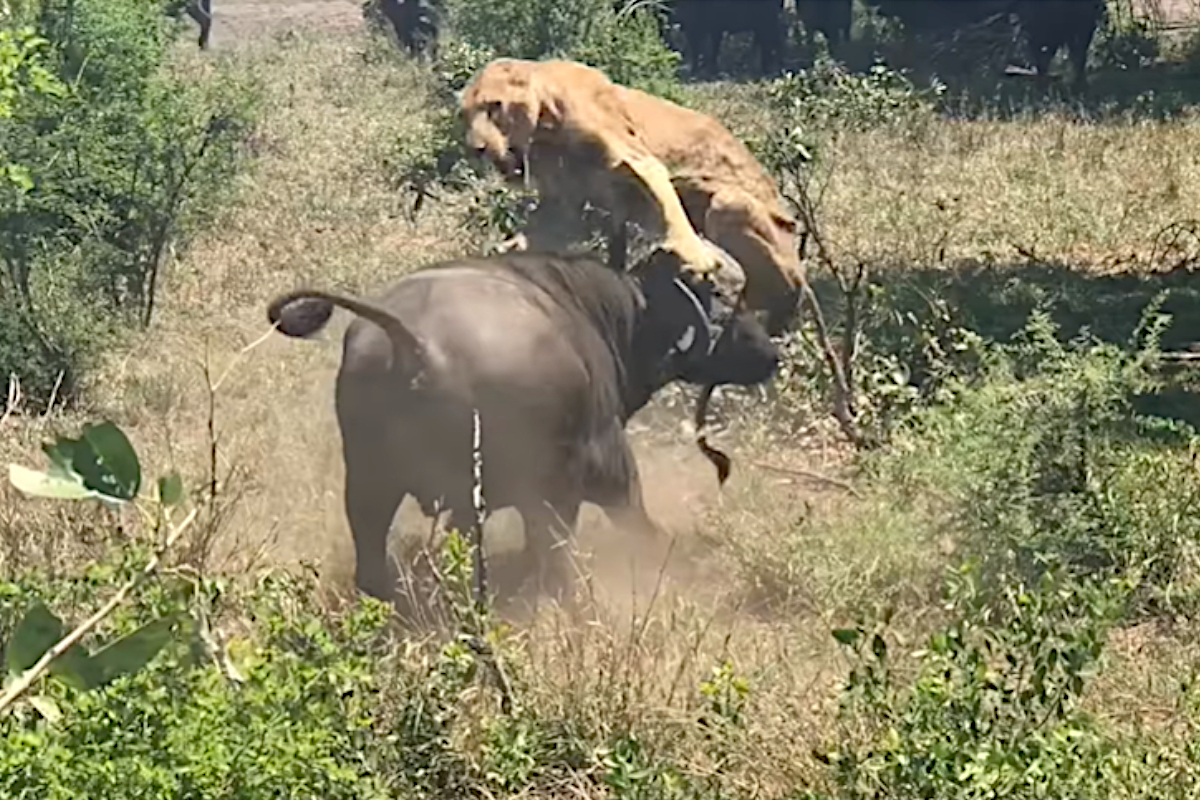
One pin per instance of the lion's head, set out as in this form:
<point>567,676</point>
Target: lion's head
<point>501,108</point>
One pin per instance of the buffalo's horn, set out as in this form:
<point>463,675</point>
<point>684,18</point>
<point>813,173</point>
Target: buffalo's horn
<point>719,460</point>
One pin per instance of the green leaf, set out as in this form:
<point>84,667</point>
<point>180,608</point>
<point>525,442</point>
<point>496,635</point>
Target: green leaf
<point>846,636</point>
<point>130,653</point>
<point>41,484</point>
<point>102,460</point>
<point>75,669</point>
<point>118,473</point>
<point>37,632</point>
<point>170,489</point>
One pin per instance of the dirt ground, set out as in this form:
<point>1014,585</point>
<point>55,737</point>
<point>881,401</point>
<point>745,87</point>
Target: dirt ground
<point>235,20</point>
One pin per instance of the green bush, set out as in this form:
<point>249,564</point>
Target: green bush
<point>129,161</point>
<point>994,707</point>
<point>1043,458</point>
<point>829,98</point>
<point>622,38</point>
<point>294,722</point>
<point>299,702</point>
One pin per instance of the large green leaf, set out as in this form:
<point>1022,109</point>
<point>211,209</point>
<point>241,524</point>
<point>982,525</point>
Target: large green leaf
<point>109,464</point>
<point>42,484</point>
<point>130,653</point>
<point>101,464</point>
<point>38,631</point>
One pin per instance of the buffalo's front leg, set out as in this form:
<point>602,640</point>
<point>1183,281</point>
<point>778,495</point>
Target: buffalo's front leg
<point>201,12</point>
<point>622,501</point>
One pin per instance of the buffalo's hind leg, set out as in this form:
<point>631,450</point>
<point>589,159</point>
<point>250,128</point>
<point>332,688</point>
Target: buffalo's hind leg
<point>372,496</point>
<point>615,485</point>
<point>549,529</point>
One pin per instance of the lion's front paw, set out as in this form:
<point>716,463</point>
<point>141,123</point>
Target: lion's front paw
<point>518,243</point>
<point>695,255</point>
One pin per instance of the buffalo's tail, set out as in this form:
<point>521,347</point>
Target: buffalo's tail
<point>302,313</point>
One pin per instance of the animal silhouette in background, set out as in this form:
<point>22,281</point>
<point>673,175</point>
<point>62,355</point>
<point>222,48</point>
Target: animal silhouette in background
<point>415,23</point>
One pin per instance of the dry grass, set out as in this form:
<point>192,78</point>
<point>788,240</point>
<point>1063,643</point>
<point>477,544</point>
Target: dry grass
<point>315,210</point>
<point>1052,188</point>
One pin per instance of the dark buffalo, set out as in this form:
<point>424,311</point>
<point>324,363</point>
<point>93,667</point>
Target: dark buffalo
<point>1052,24</point>
<point>1048,25</point>
<point>198,10</point>
<point>922,17</point>
<point>415,23</point>
<point>554,352</point>
<point>832,18</point>
<point>704,24</point>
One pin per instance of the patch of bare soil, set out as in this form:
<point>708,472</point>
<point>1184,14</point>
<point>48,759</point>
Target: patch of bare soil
<point>239,20</point>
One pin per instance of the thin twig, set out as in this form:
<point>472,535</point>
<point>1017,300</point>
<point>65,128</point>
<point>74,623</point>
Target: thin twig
<point>800,472</point>
<point>479,509</point>
<point>233,362</point>
<point>27,679</point>
<point>54,394</point>
<point>13,401</point>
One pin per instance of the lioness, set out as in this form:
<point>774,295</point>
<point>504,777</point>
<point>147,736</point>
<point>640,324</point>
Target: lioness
<point>581,138</point>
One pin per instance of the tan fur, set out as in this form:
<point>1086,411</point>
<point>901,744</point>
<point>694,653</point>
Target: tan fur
<point>579,137</point>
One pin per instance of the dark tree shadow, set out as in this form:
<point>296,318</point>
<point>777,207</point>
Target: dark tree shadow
<point>996,301</point>
<point>1162,91</point>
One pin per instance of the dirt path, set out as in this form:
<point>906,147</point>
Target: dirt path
<point>240,20</point>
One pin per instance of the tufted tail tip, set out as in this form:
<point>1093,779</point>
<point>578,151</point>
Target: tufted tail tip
<point>298,315</point>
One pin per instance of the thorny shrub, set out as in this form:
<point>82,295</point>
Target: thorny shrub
<point>620,38</point>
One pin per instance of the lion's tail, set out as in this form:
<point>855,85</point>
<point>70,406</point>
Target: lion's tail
<point>303,312</point>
